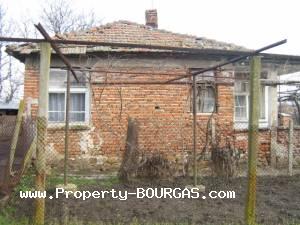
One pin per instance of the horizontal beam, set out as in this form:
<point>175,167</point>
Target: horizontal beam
<point>236,59</point>
<point>56,49</point>
<point>279,82</point>
<point>101,43</point>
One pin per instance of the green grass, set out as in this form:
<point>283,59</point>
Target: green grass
<point>109,182</point>
<point>27,181</point>
<point>52,181</point>
<point>8,214</point>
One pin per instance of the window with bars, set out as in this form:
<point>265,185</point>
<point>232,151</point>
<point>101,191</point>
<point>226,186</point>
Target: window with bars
<point>57,98</point>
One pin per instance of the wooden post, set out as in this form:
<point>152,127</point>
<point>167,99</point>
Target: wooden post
<point>291,138</point>
<point>28,156</point>
<point>253,139</point>
<point>67,129</point>
<point>42,120</point>
<point>273,108</point>
<point>273,146</point>
<point>15,138</point>
<point>194,130</point>
<point>213,132</point>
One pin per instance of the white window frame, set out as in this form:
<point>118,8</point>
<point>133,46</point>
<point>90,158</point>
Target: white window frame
<point>247,107</point>
<point>84,90</point>
<point>243,123</point>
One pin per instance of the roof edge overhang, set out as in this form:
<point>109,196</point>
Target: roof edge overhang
<point>73,51</point>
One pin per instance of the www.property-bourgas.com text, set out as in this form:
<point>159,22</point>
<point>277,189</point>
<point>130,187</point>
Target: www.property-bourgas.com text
<point>123,195</point>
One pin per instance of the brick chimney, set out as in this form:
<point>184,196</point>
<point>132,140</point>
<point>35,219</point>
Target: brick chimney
<point>151,18</point>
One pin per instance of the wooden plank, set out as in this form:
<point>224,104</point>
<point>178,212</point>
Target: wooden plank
<point>15,137</point>
<point>28,155</point>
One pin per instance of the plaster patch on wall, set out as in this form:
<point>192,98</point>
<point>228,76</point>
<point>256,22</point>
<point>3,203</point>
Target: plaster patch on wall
<point>241,137</point>
<point>29,102</point>
<point>88,145</point>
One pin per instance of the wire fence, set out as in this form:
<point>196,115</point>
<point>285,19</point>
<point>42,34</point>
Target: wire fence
<point>14,155</point>
<point>161,151</point>
<point>125,137</point>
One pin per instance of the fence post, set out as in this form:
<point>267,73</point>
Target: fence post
<point>273,109</point>
<point>15,138</point>
<point>291,142</point>
<point>253,138</point>
<point>67,129</point>
<point>42,119</point>
<point>194,132</point>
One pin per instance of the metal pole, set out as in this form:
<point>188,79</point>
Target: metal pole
<point>56,49</point>
<point>291,139</point>
<point>253,138</point>
<point>236,59</point>
<point>67,128</point>
<point>194,129</point>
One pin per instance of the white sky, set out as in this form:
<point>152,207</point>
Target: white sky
<point>250,23</point>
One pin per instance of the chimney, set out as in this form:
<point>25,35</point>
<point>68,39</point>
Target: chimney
<point>151,18</point>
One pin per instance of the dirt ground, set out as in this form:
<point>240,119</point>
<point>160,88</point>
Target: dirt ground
<point>278,202</point>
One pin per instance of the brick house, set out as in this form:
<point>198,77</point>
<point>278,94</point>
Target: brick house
<point>100,108</point>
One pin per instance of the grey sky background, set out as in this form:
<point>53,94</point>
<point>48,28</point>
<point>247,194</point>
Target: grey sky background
<point>250,23</point>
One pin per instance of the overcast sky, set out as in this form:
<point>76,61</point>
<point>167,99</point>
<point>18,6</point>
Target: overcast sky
<point>250,23</point>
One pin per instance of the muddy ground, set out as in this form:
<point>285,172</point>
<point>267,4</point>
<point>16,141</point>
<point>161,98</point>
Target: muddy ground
<point>278,202</point>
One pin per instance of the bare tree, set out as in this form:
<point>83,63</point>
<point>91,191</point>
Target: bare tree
<point>10,75</point>
<point>2,55</point>
<point>13,82</point>
<point>59,17</point>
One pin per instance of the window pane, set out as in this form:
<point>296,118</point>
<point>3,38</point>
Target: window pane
<point>205,99</point>
<point>56,102</point>
<point>57,78</point>
<point>77,107</point>
<point>77,102</point>
<point>241,87</point>
<point>56,116</point>
<point>240,107</point>
<point>56,106</point>
<point>262,103</point>
<point>77,117</point>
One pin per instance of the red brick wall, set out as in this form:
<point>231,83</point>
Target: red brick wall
<point>283,137</point>
<point>162,111</point>
<point>241,143</point>
<point>31,83</point>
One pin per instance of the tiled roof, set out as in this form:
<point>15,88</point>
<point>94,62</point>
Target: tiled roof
<point>131,33</point>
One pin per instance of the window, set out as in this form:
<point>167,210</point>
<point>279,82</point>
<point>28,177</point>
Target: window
<point>241,90</point>
<point>205,101</point>
<point>77,107</point>
<point>56,107</point>
<point>57,98</point>
<point>240,107</point>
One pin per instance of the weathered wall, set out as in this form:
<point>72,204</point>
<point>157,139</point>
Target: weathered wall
<point>241,143</point>
<point>283,138</point>
<point>162,111</point>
